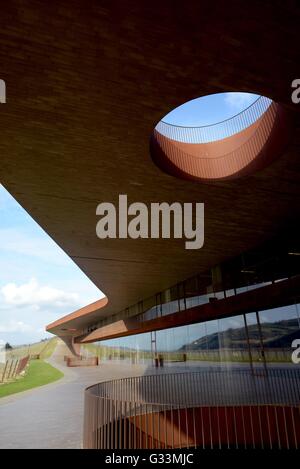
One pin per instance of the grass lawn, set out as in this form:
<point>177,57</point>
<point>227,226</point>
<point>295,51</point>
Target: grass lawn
<point>37,374</point>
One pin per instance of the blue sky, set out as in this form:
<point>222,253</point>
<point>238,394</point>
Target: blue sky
<point>38,281</point>
<point>210,109</point>
<point>193,122</point>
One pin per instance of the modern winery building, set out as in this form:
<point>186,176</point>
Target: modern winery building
<point>209,335</point>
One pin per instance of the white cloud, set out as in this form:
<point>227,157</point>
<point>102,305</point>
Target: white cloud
<point>34,295</point>
<point>15,326</point>
<point>239,101</point>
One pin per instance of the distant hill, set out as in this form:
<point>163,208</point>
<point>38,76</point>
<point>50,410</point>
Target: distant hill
<point>276,335</point>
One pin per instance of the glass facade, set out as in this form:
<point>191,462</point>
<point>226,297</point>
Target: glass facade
<point>182,296</point>
<point>252,340</point>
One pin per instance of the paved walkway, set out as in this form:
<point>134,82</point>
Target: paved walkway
<point>52,416</point>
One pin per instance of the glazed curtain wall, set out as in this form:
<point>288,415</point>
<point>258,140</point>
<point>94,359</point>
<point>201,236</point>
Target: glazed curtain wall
<point>255,338</point>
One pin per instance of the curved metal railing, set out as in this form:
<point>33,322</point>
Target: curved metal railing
<point>209,408</point>
<point>219,130</point>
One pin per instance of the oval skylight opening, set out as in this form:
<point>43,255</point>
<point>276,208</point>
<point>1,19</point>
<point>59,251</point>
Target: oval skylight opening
<point>220,136</point>
<point>213,117</point>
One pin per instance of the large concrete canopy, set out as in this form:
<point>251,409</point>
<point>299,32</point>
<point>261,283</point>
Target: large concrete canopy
<point>86,85</point>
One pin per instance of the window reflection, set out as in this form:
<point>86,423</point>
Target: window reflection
<point>251,340</point>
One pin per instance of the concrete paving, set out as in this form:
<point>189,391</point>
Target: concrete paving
<point>51,416</point>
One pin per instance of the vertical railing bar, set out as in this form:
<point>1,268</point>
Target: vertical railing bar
<point>274,392</point>
<point>165,424</point>
<point>225,408</point>
<point>147,431</point>
<point>202,427</point>
<point>179,426</point>
<point>194,428</point>
<point>126,425</point>
<point>140,430</point>
<point>134,435</point>
<point>284,388</point>
<point>121,446</point>
<point>292,406</point>
<point>217,403</point>
<point>243,386</point>
<point>172,425</point>
<point>129,425</point>
<point>152,421</point>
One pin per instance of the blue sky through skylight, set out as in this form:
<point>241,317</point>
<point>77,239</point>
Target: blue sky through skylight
<point>213,117</point>
<point>210,109</point>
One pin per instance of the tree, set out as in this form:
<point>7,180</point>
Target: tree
<point>8,346</point>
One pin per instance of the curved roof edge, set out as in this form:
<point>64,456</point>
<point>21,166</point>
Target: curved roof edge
<point>74,322</point>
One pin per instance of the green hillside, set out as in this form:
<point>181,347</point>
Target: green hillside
<point>276,335</point>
